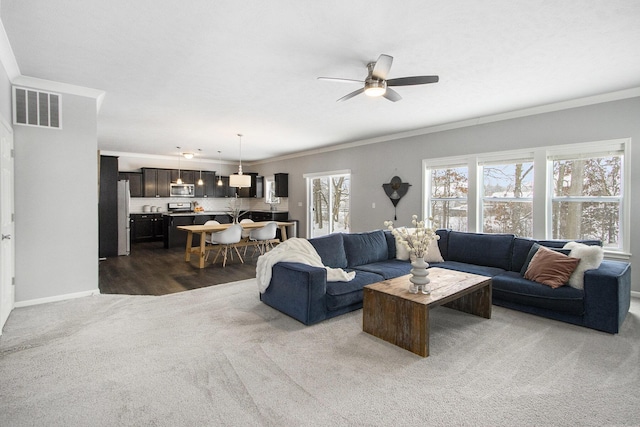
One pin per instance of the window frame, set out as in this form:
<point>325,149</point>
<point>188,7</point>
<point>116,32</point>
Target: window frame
<point>543,184</point>
<point>444,163</point>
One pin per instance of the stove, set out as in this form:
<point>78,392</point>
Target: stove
<point>180,207</point>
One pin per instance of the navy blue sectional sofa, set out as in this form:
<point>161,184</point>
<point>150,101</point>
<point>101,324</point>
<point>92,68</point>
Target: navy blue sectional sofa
<point>302,292</point>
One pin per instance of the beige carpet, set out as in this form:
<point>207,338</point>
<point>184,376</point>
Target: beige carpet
<point>218,356</point>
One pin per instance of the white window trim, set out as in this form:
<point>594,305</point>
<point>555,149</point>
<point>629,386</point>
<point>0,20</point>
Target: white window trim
<point>541,199</point>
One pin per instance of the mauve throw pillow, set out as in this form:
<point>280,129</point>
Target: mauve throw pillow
<point>550,268</point>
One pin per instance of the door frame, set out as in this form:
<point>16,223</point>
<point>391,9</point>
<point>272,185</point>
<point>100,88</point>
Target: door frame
<point>7,225</point>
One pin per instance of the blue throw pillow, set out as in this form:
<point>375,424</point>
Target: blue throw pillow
<point>365,248</point>
<point>331,250</point>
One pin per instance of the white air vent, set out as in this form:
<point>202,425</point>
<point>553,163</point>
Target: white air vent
<point>36,108</point>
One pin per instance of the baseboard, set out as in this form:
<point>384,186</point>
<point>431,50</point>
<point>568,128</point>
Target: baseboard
<point>635,294</point>
<point>38,301</point>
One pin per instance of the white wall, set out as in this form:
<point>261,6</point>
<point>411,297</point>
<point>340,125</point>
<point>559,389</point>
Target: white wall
<point>56,194</point>
<point>5,96</point>
<point>373,165</point>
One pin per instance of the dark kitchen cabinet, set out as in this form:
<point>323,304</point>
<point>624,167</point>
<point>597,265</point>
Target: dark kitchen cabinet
<point>224,190</point>
<point>281,181</point>
<point>135,182</point>
<point>188,177</point>
<point>146,227</point>
<point>208,187</point>
<point>255,190</point>
<point>156,182</point>
<point>108,207</point>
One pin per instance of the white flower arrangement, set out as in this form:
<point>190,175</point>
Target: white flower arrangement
<point>417,240</point>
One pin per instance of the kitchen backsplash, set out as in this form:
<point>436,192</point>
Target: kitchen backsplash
<point>210,204</point>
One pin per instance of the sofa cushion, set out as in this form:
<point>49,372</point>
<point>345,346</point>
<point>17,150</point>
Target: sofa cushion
<point>391,244</point>
<point>365,248</point>
<point>331,250</point>
<point>491,250</point>
<point>550,268</point>
<point>443,242</point>
<point>388,269</point>
<point>510,286</point>
<point>469,268</point>
<point>343,294</point>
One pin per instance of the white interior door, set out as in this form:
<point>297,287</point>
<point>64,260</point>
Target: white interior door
<point>7,243</point>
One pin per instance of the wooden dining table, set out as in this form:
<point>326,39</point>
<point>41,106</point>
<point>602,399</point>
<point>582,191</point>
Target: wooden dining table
<point>202,249</point>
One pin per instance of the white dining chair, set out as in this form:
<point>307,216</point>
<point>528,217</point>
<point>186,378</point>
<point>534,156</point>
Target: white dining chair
<point>207,237</point>
<point>264,236</point>
<point>227,239</point>
<point>245,233</point>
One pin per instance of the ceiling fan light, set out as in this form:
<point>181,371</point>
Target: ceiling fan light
<point>375,87</point>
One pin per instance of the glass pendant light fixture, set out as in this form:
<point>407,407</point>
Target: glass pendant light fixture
<point>239,180</point>
<point>179,180</point>
<point>200,181</point>
<point>220,167</point>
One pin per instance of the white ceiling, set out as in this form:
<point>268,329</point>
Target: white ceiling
<point>195,73</point>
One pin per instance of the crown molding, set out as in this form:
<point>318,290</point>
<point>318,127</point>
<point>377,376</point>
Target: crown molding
<point>51,86</point>
<point>541,109</point>
<point>167,157</point>
<point>7,57</point>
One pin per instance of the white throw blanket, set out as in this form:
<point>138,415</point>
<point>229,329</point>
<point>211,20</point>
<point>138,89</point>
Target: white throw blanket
<point>295,250</point>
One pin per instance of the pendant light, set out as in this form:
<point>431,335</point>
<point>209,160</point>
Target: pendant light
<point>240,180</point>
<point>220,167</point>
<point>179,180</point>
<point>200,181</point>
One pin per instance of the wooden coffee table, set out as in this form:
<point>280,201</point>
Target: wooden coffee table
<point>394,314</point>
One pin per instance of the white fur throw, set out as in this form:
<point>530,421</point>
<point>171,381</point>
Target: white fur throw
<point>433,254</point>
<point>295,250</point>
<point>590,256</point>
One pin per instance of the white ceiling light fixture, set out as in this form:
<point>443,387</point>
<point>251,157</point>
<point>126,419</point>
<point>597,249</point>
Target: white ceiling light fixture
<point>220,166</point>
<point>239,180</point>
<point>188,156</point>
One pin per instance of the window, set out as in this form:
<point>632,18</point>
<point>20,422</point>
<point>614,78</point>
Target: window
<point>270,191</point>
<point>587,196</point>
<point>448,196</point>
<point>581,192</point>
<point>328,196</point>
<point>507,197</point>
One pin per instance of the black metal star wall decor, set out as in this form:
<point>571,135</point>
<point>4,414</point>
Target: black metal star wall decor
<point>395,190</point>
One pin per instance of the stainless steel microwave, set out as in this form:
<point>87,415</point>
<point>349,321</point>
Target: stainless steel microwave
<point>182,190</point>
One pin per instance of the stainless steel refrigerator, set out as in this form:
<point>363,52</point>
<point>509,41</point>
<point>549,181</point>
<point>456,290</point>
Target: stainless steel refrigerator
<point>124,225</point>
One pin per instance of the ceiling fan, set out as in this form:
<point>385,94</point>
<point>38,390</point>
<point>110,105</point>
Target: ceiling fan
<point>377,84</point>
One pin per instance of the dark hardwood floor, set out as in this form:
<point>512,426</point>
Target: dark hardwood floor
<point>151,269</point>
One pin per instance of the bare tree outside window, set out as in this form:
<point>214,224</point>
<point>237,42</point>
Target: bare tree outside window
<point>507,203</point>
<point>330,204</point>
<point>449,188</point>
<point>587,199</point>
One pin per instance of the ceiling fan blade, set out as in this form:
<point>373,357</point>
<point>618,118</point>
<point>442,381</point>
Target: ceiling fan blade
<point>334,79</point>
<point>382,67</point>
<point>392,95</point>
<point>415,80</point>
<point>351,95</point>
